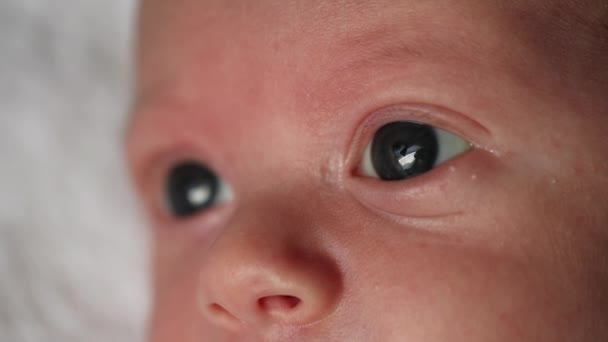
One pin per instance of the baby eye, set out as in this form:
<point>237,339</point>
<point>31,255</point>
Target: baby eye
<point>192,187</point>
<point>401,150</point>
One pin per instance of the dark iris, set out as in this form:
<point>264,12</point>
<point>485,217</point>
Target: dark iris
<point>402,150</point>
<point>191,187</point>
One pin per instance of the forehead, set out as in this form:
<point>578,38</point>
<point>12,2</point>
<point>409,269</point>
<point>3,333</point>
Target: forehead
<point>275,60</point>
<point>312,33</point>
<point>314,46</point>
<point>288,28</point>
<point>290,56</point>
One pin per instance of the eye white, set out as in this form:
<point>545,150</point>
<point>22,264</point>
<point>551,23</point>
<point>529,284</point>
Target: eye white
<point>450,146</point>
<point>224,193</point>
<point>367,167</point>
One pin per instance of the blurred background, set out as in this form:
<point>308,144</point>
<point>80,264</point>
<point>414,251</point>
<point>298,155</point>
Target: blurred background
<point>73,262</point>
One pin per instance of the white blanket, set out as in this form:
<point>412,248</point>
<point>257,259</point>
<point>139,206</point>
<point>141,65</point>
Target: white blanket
<point>72,248</point>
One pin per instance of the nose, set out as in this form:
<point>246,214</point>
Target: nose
<point>265,270</point>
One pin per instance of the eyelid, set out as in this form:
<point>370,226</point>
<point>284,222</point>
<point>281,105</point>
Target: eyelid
<point>450,146</point>
<point>458,124</point>
<point>424,196</point>
<point>152,185</point>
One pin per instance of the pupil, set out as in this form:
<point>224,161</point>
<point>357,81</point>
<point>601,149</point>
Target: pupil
<point>402,150</point>
<point>191,187</point>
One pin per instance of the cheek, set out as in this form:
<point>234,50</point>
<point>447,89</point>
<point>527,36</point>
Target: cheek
<point>175,314</point>
<point>405,283</point>
<point>443,292</point>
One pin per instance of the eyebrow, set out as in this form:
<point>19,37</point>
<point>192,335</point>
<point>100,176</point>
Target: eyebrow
<point>396,43</point>
<point>362,51</point>
<point>378,44</point>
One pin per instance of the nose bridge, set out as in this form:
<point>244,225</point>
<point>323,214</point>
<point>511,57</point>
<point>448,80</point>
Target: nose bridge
<point>277,216</point>
<point>266,267</point>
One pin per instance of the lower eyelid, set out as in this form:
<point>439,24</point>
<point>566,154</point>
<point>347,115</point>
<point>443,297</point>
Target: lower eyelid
<point>400,200</point>
<point>202,227</point>
<point>439,192</point>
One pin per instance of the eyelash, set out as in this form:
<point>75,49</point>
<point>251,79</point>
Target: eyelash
<point>402,150</point>
<point>416,113</point>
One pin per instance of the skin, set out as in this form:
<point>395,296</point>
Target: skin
<point>506,242</point>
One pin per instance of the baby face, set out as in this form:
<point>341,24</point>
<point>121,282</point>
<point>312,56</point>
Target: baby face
<point>387,170</point>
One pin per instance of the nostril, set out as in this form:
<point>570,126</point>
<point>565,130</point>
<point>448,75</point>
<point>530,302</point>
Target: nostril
<point>220,314</point>
<point>218,309</point>
<point>279,303</point>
